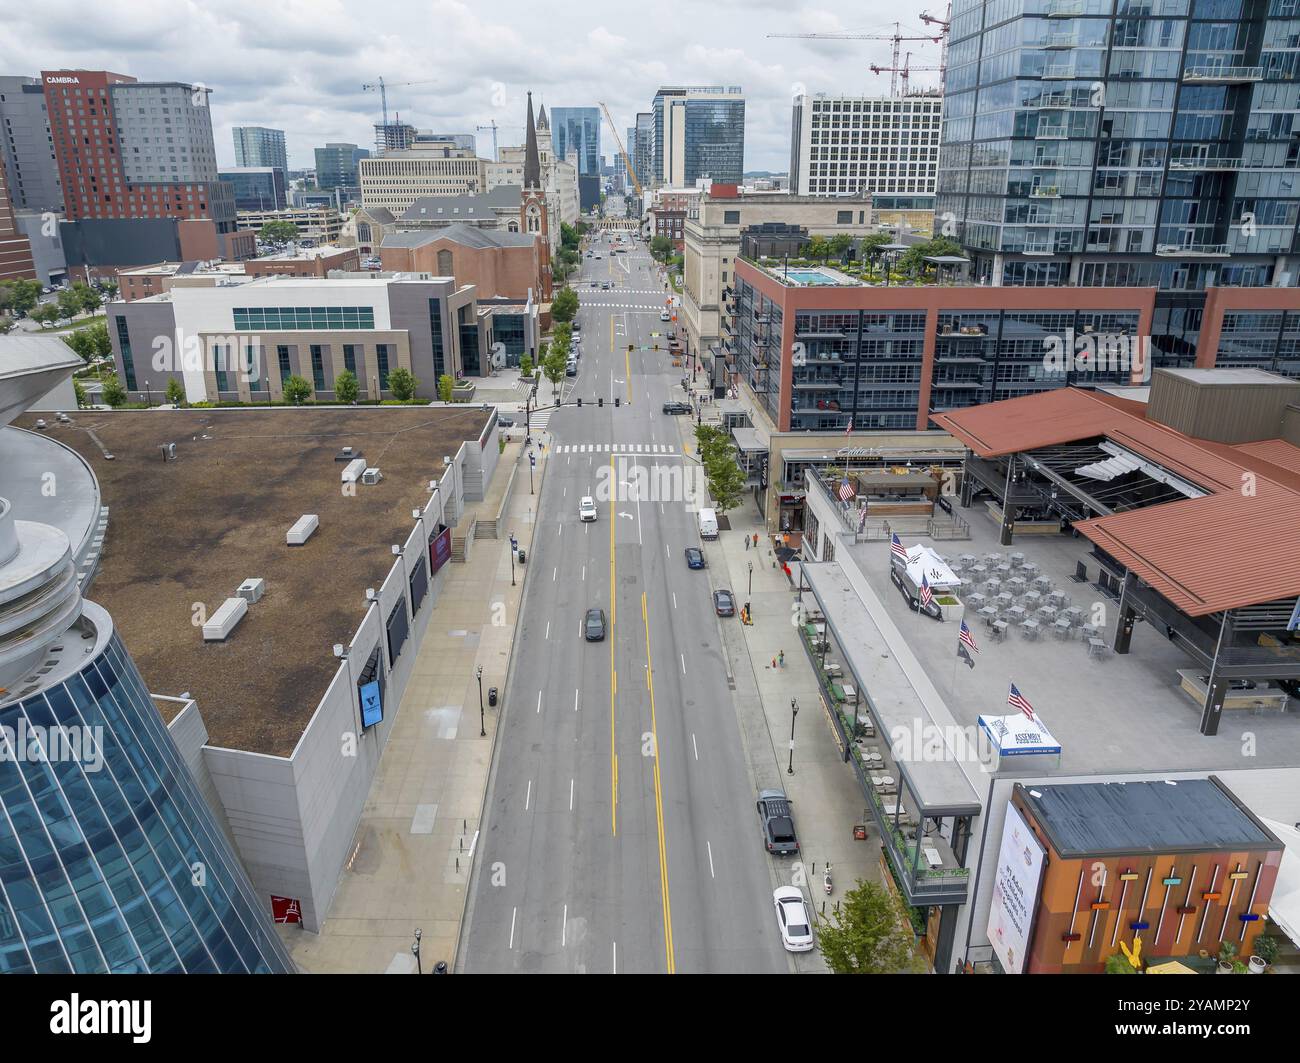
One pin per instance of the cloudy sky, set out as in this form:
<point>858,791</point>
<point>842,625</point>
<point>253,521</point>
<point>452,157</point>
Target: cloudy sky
<point>298,65</point>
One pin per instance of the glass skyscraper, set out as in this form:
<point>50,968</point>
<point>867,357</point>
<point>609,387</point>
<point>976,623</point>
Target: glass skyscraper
<point>575,131</point>
<point>110,859</point>
<point>1149,143</point>
<point>698,132</point>
<point>256,145</point>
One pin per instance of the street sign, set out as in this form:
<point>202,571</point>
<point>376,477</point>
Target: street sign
<point>532,458</point>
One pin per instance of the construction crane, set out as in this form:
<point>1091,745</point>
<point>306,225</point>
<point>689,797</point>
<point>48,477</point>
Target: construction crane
<point>896,37</point>
<point>904,72</point>
<point>496,155</point>
<point>622,151</point>
<point>944,24</point>
<point>379,86</point>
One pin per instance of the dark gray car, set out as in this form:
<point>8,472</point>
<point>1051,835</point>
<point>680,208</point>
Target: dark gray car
<point>593,626</point>
<point>778,823</point>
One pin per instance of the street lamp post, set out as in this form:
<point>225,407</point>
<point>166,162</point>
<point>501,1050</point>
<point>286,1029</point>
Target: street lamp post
<point>751,579</point>
<point>513,547</point>
<point>482,730</point>
<point>415,951</point>
<point>794,711</point>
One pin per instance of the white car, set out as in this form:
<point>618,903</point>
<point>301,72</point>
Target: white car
<point>664,315</point>
<point>792,918</point>
<point>587,508</point>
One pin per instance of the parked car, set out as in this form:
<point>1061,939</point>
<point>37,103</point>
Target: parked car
<point>504,420</point>
<point>604,286</point>
<point>694,557</point>
<point>792,919</point>
<point>587,508</point>
<point>724,603</point>
<point>677,407</point>
<point>664,315</point>
<point>593,625</point>
<point>778,823</point>
<point>571,367</point>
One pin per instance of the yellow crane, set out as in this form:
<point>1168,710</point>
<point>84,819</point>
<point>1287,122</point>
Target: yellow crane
<point>631,173</point>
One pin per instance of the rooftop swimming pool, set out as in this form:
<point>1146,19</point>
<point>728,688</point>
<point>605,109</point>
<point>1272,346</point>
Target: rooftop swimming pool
<point>809,278</point>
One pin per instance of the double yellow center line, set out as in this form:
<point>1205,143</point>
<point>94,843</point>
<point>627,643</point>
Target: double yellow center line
<point>659,798</point>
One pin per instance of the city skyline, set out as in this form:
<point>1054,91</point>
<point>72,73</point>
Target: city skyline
<point>320,98</point>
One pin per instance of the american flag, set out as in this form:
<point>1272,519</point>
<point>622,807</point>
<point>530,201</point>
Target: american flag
<point>896,546</point>
<point>966,636</point>
<point>1014,697</point>
<point>849,431</point>
<point>846,490</point>
<point>927,595</point>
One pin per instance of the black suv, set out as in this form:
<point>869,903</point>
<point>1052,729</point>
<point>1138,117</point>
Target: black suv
<point>677,407</point>
<point>778,823</point>
<point>593,625</point>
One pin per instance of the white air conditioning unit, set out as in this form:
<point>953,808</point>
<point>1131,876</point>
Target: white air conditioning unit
<point>371,476</point>
<point>223,621</point>
<point>251,590</point>
<point>353,470</point>
<point>303,529</point>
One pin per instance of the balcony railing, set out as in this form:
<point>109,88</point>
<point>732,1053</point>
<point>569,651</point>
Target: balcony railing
<point>1059,73</point>
<point>1208,162</point>
<point>1192,249</point>
<point>1222,75</point>
<point>1053,99</point>
<point>1061,40</point>
<point>1065,9</point>
<point>1045,192</point>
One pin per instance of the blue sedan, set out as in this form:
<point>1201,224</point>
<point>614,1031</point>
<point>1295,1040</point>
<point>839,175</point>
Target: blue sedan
<point>694,557</point>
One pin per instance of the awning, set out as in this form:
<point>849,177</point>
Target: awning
<point>1017,735</point>
<point>1284,906</point>
<point>922,560</point>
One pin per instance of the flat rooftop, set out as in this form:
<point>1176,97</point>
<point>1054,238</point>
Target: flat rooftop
<point>1116,714</point>
<point>192,530</point>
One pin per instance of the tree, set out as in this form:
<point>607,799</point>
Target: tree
<point>175,392</point>
<point>296,390</point>
<point>19,295</point>
<point>69,303</point>
<point>569,236</point>
<point>525,366</point>
<point>869,247</point>
<point>46,314</point>
<point>278,232</point>
<point>346,388</point>
<point>87,298</point>
<point>913,261</point>
<point>80,392</point>
<point>870,933</point>
<point>554,365</point>
<point>661,247</point>
<point>91,342</point>
<point>446,384</point>
<point>839,244</point>
<point>564,307</point>
<point>79,340</point>
<point>726,482</point>
<point>402,383</point>
<point>7,324</point>
<point>113,392</point>
<point>817,247</point>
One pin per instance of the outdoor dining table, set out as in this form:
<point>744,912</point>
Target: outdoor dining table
<point>1043,583</point>
<point>1062,627</point>
<point>1030,629</point>
<point>1048,613</point>
<point>1075,614</point>
<point>1096,648</point>
<point>1017,585</point>
<point>976,601</point>
<point>1017,559</point>
<point>1029,569</point>
<point>994,586</point>
<point>988,614</point>
<point>1005,600</point>
<point>1091,631</point>
<point>1057,598</point>
<point>993,559</point>
<point>999,628</point>
<point>1017,613</point>
<point>977,573</point>
<point>1033,599</point>
<point>1004,570</point>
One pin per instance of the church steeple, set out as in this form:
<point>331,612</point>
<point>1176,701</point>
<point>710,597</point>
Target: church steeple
<point>532,160</point>
<point>542,121</point>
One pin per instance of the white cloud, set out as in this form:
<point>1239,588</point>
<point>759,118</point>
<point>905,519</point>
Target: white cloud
<point>299,64</point>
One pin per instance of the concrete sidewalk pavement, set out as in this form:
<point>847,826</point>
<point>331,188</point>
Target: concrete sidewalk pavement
<point>411,862</point>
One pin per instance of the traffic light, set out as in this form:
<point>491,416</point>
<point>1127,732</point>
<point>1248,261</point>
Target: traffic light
<point>601,402</point>
<point>630,348</point>
<point>617,400</point>
<point>579,402</point>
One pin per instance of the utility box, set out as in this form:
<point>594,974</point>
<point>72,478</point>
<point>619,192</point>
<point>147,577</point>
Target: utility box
<point>371,476</point>
<point>354,470</point>
<point>251,590</point>
<point>223,621</point>
<point>303,529</point>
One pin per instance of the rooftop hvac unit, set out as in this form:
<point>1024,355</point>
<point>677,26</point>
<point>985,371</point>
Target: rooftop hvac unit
<point>353,470</point>
<point>251,590</point>
<point>168,451</point>
<point>371,476</point>
<point>346,454</point>
<point>223,621</point>
<point>303,529</point>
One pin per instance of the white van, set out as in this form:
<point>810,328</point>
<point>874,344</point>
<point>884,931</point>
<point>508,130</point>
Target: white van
<point>708,524</point>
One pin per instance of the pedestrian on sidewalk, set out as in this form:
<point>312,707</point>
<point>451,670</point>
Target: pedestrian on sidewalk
<point>781,658</point>
<point>747,542</point>
<point>774,663</point>
<point>755,540</point>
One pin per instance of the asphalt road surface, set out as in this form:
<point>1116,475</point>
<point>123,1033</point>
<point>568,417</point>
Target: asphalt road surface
<point>596,854</point>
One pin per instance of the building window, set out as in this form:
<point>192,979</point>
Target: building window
<point>317,367</point>
<point>381,356</point>
<point>350,358</point>
<point>844,217</point>
<point>220,363</point>
<point>435,338</point>
<point>282,356</point>
<point>124,345</point>
<point>444,264</point>
<point>731,217</point>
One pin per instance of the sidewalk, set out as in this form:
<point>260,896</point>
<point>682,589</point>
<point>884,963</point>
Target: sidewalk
<point>826,796</point>
<point>411,864</point>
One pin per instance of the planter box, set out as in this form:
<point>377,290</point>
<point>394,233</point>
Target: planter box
<point>954,613</point>
<point>463,394</point>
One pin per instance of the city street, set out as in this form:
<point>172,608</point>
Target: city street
<point>598,855</point>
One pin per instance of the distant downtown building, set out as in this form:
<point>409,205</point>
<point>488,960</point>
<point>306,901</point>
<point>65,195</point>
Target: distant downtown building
<point>26,146</point>
<point>15,248</point>
<point>256,187</point>
<point>698,132</point>
<point>131,152</point>
<point>337,165</point>
<point>863,145</point>
<point>256,145</point>
<point>575,131</point>
<point>397,179</point>
<point>104,821</point>
<point>642,149</point>
<point>1139,148</point>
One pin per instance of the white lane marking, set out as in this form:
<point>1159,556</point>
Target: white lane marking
<point>539,702</point>
<point>667,553</point>
<point>584,573</point>
<point>513,912</point>
<point>564,927</point>
<point>683,664</point>
<point>554,572</point>
<point>674,599</point>
<point>564,492</point>
<point>528,796</point>
<point>695,746</point>
<point>710,848</point>
<point>548,630</point>
<point>571,795</point>
<point>615,957</point>
<point>575,701</point>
